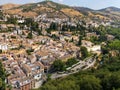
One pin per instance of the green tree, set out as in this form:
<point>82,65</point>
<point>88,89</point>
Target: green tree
<point>58,65</point>
<point>64,28</point>
<point>28,21</point>
<point>0,51</point>
<point>82,30</point>
<point>12,20</point>
<point>70,62</point>
<point>0,83</point>
<point>53,26</point>
<point>39,32</point>
<point>2,77</point>
<point>89,82</point>
<point>68,85</point>
<point>114,45</point>
<point>1,15</point>
<point>30,36</point>
<point>29,51</point>
<point>84,52</point>
<point>111,81</point>
<point>80,40</point>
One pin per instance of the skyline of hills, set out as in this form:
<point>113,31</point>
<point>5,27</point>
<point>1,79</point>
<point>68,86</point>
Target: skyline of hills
<point>104,8</point>
<point>95,4</point>
<point>60,10</point>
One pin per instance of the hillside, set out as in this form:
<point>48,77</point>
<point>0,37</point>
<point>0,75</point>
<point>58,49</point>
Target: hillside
<point>90,13</point>
<point>50,8</point>
<point>111,12</point>
<point>84,10</point>
<point>53,9</point>
<point>109,9</point>
<point>9,6</point>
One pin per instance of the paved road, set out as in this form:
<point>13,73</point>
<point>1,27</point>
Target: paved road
<point>82,65</point>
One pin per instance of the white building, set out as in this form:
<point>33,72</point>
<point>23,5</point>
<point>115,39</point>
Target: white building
<point>3,47</point>
<point>20,21</point>
<point>94,49</point>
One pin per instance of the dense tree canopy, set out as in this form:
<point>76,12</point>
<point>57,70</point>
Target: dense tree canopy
<point>2,77</point>
<point>115,45</point>
<point>12,20</point>
<point>84,52</point>
<point>89,82</point>
<point>58,65</point>
<point>70,62</point>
